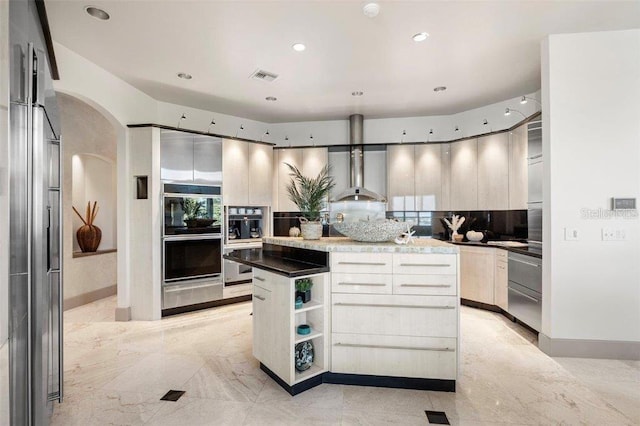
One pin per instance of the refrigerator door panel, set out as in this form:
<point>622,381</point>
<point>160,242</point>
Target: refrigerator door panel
<point>19,373</point>
<point>54,390</point>
<point>19,183</point>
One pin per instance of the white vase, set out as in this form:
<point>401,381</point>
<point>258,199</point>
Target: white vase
<point>311,230</point>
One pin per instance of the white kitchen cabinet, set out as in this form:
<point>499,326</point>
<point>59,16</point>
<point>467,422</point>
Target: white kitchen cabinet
<point>428,177</point>
<point>464,175</point>
<point>493,172</point>
<point>518,170</point>
<point>445,176</point>
<point>275,321</point>
<point>501,283</point>
<point>309,161</point>
<point>207,161</point>
<point>189,158</point>
<point>260,173</point>
<point>247,173</point>
<point>477,274</point>
<point>401,194</point>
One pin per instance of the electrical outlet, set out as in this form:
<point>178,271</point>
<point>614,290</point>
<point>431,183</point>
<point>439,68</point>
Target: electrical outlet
<point>614,234</point>
<point>571,234</point>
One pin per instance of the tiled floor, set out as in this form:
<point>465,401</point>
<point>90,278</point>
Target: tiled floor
<point>116,373</point>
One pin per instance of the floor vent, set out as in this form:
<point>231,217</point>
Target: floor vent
<point>263,75</point>
<point>172,395</point>
<point>437,418</point>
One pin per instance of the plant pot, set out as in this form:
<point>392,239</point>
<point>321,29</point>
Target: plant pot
<point>89,237</point>
<point>311,230</point>
<point>304,295</point>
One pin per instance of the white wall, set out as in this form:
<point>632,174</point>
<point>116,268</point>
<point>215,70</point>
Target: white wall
<point>591,144</point>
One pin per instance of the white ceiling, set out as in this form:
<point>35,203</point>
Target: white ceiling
<point>483,51</point>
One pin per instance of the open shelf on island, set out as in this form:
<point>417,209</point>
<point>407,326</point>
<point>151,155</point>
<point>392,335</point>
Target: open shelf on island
<point>303,338</point>
<point>309,306</point>
<point>314,370</point>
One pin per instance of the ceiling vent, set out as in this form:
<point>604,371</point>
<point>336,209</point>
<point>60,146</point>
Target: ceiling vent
<point>263,75</point>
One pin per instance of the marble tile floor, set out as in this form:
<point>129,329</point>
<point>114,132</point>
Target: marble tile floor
<point>116,373</point>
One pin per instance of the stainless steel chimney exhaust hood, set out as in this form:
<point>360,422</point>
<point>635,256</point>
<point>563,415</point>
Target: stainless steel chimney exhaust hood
<point>357,192</point>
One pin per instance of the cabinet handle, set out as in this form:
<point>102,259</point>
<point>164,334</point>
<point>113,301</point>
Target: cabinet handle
<point>369,284</point>
<point>413,348</point>
<point>363,263</point>
<point>173,289</point>
<point>259,278</point>
<point>380,305</point>
<point>524,295</point>
<point>500,267</point>
<point>259,297</point>
<point>425,285</point>
<point>439,265</point>
<point>522,261</point>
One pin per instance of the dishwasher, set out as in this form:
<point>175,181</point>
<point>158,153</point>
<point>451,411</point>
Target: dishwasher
<point>525,289</point>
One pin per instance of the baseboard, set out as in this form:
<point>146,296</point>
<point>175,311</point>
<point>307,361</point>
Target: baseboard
<point>92,296</point>
<point>582,348</point>
<point>123,314</point>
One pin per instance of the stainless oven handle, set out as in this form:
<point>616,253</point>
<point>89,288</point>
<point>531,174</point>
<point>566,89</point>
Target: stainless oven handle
<point>526,263</point>
<point>190,287</point>
<point>191,277</point>
<point>193,237</point>
<point>178,195</point>
<point>525,295</point>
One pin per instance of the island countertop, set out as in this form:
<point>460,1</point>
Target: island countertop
<point>343,244</point>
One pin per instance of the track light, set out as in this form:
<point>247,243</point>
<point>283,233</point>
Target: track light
<point>430,131</point>
<point>508,111</point>
<point>213,123</point>
<point>485,122</point>
<point>524,99</point>
<point>183,117</point>
<point>457,129</point>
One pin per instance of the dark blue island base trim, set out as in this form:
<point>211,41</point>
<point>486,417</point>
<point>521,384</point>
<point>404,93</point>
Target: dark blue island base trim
<point>364,380</point>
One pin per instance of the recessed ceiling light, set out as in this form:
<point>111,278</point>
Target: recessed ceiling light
<point>358,93</point>
<point>97,13</point>
<point>420,36</point>
<point>440,89</point>
<point>184,76</point>
<point>299,47</point>
<point>271,98</point>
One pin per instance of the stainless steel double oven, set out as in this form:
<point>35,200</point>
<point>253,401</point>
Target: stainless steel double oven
<point>191,247</point>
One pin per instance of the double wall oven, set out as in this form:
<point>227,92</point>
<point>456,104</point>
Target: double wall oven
<point>191,247</point>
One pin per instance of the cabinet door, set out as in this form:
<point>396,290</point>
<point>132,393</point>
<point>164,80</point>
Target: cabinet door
<point>445,176</point>
<point>260,174</point>
<point>235,160</point>
<point>464,175</point>
<point>502,284</point>
<point>493,172</point>
<point>477,274</point>
<point>518,176</point>
<point>207,160</point>
<point>262,324</point>
<point>401,177</point>
<point>176,157</point>
<point>313,160</point>
<point>293,157</point>
<point>428,177</point>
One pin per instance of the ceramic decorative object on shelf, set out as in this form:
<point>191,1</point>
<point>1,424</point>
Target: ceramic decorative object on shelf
<point>304,356</point>
<point>294,231</point>
<point>310,195</point>
<point>474,236</point>
<point>455,224</point>
<point>303,289</point>
<point>303,329</point>
<point>298,303</point>
<point>89,235</point>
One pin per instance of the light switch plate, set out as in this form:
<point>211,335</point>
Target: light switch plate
<point>571,234</point>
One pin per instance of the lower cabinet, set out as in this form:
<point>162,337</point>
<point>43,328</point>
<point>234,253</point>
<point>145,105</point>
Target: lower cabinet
<point>501,283</point>
<point>394,315</point>
<point>477,274</point>
<point>275,321</point>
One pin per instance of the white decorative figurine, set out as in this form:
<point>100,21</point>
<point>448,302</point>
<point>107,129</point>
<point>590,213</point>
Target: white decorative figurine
<point>406,237</point>
<point>454,225</point>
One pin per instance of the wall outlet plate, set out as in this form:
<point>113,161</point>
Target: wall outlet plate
<point>614,234</point>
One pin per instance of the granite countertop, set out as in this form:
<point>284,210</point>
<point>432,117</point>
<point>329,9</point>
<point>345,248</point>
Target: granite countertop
<point>275,262</point>
<point>343,244</point>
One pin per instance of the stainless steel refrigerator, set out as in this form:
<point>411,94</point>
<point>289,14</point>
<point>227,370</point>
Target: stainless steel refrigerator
<point>35,276</point>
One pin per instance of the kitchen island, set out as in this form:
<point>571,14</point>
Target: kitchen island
<point>380,314</point>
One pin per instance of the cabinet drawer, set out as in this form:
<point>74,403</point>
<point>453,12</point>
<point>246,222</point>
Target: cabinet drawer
<point>268,280</point>
<point>361,283</point>
<point>434,316</point>
<point>236,290</point>
<point>502,254</point>
<point>362,263</point>
<point>444,264</point>
<point>401,356</point>
<point>430,285</point>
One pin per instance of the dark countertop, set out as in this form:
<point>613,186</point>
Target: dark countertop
<point>275,262</point>
<point>527,251</point>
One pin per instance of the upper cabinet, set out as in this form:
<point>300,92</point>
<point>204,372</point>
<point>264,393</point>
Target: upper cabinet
<point>189,158</point>
<point>493,172</point>
<point>309,161</point>
<point>247,173</point>
<point>401,194</point>
<point>518,174</point>
<point>464,175</point>
<point>429,182</point>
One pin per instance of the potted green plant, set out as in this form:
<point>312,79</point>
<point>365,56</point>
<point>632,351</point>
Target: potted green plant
<point>303,289</point>
<point>193,210</point>
<point>310,195</point>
